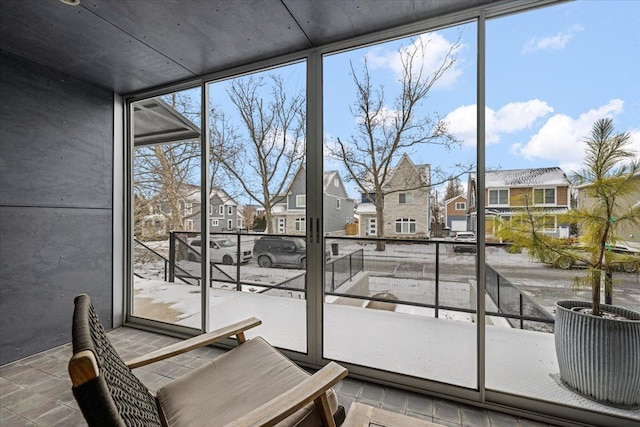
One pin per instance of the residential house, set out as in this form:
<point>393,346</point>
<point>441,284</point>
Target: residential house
<point>406,204</point>
<point>510,192</point>
<point>628,232</point>
<point>224,212</point>
<point>289,214</point>
<point>455,213</point>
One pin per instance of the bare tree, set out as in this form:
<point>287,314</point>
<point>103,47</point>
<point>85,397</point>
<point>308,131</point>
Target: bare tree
<point>165,172</point>
<point>453,188</point>
<point>384,133</point>
<point>266,155</point>
<point>435,205</point>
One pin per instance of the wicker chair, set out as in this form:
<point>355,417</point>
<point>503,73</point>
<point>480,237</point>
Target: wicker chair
<point>250,385</point>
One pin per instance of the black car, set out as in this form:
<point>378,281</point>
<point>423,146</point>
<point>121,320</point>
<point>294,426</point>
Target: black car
<point>288,251</point>
<point>284,251</point>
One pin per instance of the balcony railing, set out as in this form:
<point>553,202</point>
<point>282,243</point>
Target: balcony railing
<point>407,264</point>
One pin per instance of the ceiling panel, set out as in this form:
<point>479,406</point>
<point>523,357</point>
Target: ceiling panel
<point>133,45</point>
<point>81,44</point>
<point>207,35</point>
<point>330,21</point>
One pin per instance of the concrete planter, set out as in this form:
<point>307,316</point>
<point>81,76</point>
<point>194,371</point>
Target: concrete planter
<point>598,357</point>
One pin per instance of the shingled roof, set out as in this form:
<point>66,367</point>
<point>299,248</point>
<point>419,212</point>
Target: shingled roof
<point>525,177</point>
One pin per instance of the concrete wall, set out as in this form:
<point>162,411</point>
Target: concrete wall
<point>56,204</point>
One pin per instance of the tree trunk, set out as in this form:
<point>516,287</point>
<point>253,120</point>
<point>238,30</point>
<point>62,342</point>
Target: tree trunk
<point>595,289</point>
<point>380,246</point>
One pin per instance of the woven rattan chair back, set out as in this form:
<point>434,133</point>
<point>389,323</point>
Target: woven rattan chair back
<point>115,397</point>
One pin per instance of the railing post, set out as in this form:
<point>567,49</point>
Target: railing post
<point>351,266</point>
<point>238,258</point>
<point>521,320</point>
<point>172,256</point>
<point>333,277</point>
<point>437,301</point>
<point>498,291</point>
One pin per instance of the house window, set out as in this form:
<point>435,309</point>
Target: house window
<point>301,201</point>
<point>368,198</point>
<point>281,225</point>
<point>221,210</point>
<point>337,203</point>
<point>405,226</point>
<point>371,227</point>
<point>301,224</point>
<point>239,223</point>
<point>460,206</point>
<point>188,225</point>
<point>544,196</point>
<point>188,208</point>
<point>214,222</point>
<point>405,198</point>
<point>499,197</point>
<point>229,210</point>
<point>210,209</point>
<point>230,224</point>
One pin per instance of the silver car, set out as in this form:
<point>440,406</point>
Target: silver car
<point>220,251</point>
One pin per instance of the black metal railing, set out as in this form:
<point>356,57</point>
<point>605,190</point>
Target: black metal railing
<point>514,305</point>
<point>519,310</point>
<point>341,270</point>
<point>510,302</point>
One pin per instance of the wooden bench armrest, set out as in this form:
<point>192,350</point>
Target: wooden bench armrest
<point>196,342</point>
<point>313,389</point>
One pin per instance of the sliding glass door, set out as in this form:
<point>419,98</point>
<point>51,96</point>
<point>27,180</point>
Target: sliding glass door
<point>399,138</point>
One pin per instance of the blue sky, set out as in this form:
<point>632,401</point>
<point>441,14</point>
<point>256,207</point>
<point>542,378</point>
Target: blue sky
<point>550,74</point>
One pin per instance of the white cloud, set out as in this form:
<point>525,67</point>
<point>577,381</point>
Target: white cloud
<point>560,138</point>
<point>512,117</point>
<point>437,48</point>
<point>555,42</point>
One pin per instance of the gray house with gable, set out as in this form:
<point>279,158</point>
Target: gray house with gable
<point>290,215</point>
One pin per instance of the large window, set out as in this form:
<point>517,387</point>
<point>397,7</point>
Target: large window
<point>499,197</point>
<point>393,151</point>
<point>541,105</point>
<point>544,196</point>
<point>405,226</point>
<point>166,175</point>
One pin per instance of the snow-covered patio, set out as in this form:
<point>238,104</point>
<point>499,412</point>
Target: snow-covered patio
<point>520,362</point>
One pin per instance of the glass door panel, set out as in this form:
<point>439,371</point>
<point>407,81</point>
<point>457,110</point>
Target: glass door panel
<point>399,295</point>
<point>166,208</point>
<point>544,94</point>
<point>258,202</point>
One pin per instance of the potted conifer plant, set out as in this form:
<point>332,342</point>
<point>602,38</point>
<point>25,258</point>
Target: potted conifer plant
<point>597,345</point>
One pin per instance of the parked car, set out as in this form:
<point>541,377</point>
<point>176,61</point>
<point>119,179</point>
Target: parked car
<point>220,251</point>
<point>271,251</point>
<point>469,238</point>
<point>566,262</point>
